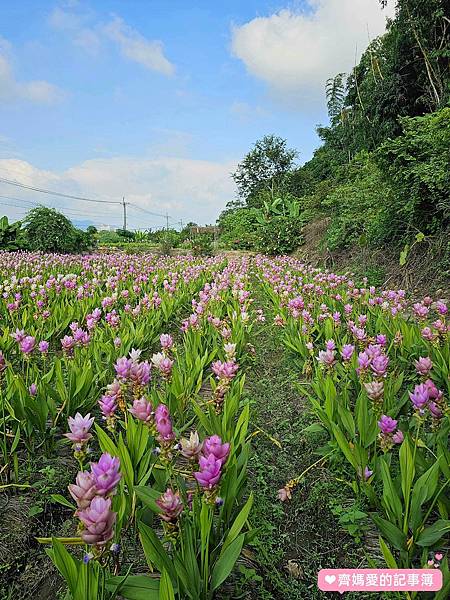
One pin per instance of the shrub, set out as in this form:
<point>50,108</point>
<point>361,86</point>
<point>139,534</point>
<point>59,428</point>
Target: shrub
<point>417,166</point>
<point>202,244</point>
<point>48,230</point>
<point>238,228</point>
<point>11,236</point>
<point>279,235</point>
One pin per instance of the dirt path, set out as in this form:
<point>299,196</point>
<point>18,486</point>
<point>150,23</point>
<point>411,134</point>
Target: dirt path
<point>300,537</point>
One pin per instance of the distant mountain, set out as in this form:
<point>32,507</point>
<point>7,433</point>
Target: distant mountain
<point>83,224</point>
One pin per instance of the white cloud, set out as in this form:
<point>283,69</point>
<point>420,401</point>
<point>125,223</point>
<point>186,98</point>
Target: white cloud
<point>295,52</point>
<point>187,189</point>
<point>11,89</point>
<point>88,33</point>
<point>135,47</point>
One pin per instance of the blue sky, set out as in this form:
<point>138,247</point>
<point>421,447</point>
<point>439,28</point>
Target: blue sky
<point>158,101</point>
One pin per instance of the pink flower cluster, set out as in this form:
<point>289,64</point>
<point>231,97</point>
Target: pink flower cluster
<point>92,493</point>
<point>389,434</point>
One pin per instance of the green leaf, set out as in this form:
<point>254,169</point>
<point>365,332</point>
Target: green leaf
<point>106,443</point>
<point>388,557</point>
<point>423,490</point>
<point>65,564</point>
<point>226,562</point>
<point>165,587</point>
<point>391,500</point>
<point>430,535</point>
<point>238,523</point>
<point>407,469</point>
<point>393,534</point>
<point>344,446</point>
<point>61,500</point>
<point>134,587</point>
<point>154,550</point>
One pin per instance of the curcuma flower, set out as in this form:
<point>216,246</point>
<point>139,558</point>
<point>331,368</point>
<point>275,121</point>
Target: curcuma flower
<point>43,347</point>
<point>387,424</point>
<point>166,341</point>
<point>213,445</point>
<point>224,370</point>
<point>83,490</point>
<point>79,428</point>
<point>142,410</point>
<point>171,505</point>
<point>347,351</point>
<point>191,447</point>
<point>374,389</point>
<point>326,358</point>
<point>210,471</point>
<point>420,396</point>
<point>107,405</point>
<point>98,519</point>
<point>27,344</point>
<point>106,474</point>
<point>423,365</point>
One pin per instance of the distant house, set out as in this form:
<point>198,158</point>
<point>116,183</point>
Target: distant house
<point>211,229</point>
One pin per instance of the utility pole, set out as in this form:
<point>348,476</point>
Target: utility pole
<point>124,204</point>
<point>167,222</point>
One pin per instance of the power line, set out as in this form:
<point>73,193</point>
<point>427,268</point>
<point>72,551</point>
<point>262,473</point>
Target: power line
<point>148,212</point>
<point>43,191</point>
<point>85,199</point>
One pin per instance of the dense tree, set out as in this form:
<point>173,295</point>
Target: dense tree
<point>48,230</point>
<point>266,166</point>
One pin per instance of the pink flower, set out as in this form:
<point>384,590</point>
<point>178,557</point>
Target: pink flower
<point>379,365</point>
<point>398,437</point>
<point>165,366</point>
<point>67,343</point>
<point>27,344</point>
<point>122,367</point>
<point>83,490</point>
<point>140,373</point>
<point>164,424</point>
<point>387,424</point>
<point>142,410</point>
<point>106,474</point>
<point>210,471</point>
<point>107,405</point>
<point>224,370</point>
<point>347,351</point>
<point>213,445</point>
<point>423,365</point>
<point>18,335</point>
<point>43,347</point>
<point>79,428</point>
<point>166,341</point>
<point>284,494</point>
<point>327,358</point>
<point>171,504</point>
<point>98,520</point>
<point>420,396</point>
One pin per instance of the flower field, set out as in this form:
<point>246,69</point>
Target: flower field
<point>131,369</point>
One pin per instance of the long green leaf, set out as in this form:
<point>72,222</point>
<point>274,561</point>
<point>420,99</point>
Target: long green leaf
<point>226,562</point>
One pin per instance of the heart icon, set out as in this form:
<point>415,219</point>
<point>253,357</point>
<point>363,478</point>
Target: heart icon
<point>330,579</point>
<point>438,556</point>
